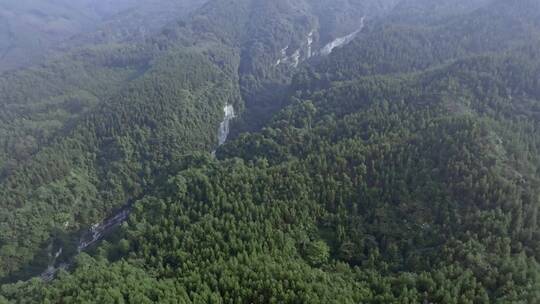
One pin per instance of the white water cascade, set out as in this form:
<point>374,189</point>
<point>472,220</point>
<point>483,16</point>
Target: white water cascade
<point>99,230</point>
<point>327,49</point>
<point>95,234</point>
<point>224,127</point>
<point>304,52</point>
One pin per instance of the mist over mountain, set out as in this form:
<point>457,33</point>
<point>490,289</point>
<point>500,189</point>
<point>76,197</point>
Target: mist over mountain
<point>257,151</point>
<point>32,29</point>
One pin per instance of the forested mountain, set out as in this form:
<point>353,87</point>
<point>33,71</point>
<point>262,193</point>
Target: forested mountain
<point>31,30</point>
<point>434,11</point>
<point>87,133</point>
<point>400,46</point>
<point>402,167</point>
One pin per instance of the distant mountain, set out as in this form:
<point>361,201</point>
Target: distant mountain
<point>32,29</point>
<point>433,11</point>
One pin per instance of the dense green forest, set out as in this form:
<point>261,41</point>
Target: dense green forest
<point>89,132</point>
<point>404,167</point>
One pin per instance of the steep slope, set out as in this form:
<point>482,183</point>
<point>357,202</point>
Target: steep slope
<point>112,153</point>
<point>135,107</point>
<point>399,172</point>
<point>383,189</point>
<point>42,102</point>
<point>397,46</point>
<point>90,132</point>
<point>286,36</point>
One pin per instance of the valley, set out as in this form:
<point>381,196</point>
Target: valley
<point>254,151</point>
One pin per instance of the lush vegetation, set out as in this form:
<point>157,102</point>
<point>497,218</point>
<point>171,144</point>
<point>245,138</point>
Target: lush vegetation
<point>99,165</point>
<point>403,168</point>
<point>90,131</point>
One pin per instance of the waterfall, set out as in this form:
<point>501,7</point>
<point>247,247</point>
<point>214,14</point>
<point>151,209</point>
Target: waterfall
<point>96,233</point>
<point>224,127</point>
<point>99,230</point>
<point>304,52</point>
<point>52,269</point>
<point>310,45</point>
<point>327,49</point>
